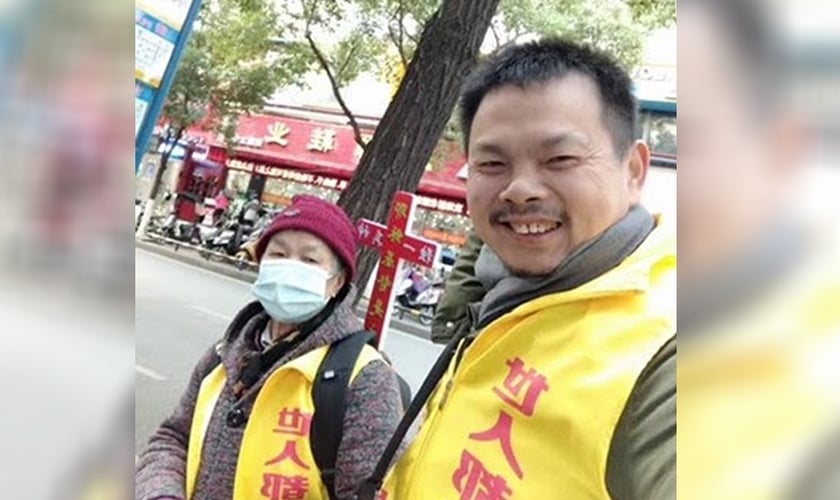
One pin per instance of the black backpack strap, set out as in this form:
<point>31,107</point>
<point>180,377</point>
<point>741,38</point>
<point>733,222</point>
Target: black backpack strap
<point>405,392</point>
<point>329,394</point>
<point>369,489</point>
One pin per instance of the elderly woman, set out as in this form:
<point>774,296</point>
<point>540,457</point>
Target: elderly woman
<point>244,429</point>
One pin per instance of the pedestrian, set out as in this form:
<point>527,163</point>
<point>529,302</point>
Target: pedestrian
<point>249,424</point>
<point>222,204</point>
<point>463,294</point>
<point>564,385</point>
<point>250,210</point>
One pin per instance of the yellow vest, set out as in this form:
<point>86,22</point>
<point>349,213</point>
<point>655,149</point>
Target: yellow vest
<point>275,459</point>
<point>529,411</point>
<point>759,389</point>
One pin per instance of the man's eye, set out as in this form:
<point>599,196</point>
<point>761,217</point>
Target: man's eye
<point>491,163</point>
<point>562,160</point>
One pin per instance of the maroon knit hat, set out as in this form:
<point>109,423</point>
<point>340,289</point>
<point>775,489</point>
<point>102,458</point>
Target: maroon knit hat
<point>322,218</point>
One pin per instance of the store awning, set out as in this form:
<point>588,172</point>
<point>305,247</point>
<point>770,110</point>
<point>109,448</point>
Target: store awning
<point>323,149</point>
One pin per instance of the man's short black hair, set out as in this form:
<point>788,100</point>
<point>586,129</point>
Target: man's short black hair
<point>549,59</point>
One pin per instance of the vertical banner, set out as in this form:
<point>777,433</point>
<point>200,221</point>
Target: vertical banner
<point>161,31</point>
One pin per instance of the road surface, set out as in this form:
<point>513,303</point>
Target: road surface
<point>180,310</point>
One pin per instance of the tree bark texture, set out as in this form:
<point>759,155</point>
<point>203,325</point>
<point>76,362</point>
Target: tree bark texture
<point>405,138</point>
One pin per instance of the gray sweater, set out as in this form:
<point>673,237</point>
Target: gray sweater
<point>373,412</point>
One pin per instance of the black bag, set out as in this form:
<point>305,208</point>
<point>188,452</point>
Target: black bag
<point>329,394</point>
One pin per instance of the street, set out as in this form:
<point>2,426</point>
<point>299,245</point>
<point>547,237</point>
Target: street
<point>181,310</point>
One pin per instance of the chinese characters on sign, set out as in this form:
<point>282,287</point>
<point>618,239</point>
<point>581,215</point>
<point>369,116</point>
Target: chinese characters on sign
<point>520,391</point>
<point>293,422</point>
<point>322,139</point>
<point>289,175</point>
<point>474,482</point>
<point>154,42</point>
<point>279,487</point>
<point>289,453</point>
<point>442,205</point>
<point>394,245</point>
<point>295,426</point>
<point>277,133</point>
<point>522,387</point>
<point>501,432</point>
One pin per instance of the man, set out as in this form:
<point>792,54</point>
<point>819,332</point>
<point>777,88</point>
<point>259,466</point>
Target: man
<point>565,386</point>
<point>463,294</point>
<point>250,210</point>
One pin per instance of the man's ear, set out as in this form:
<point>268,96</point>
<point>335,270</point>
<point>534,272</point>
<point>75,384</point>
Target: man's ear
<point>637,164</point>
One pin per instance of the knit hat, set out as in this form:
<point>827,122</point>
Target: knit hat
<point>322,218</point>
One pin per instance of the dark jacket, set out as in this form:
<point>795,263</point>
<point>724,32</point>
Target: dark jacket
<point>462,290</point>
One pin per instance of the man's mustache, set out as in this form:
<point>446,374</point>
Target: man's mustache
<point>502,214</point>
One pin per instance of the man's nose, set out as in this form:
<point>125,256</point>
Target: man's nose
<point>526,185</point>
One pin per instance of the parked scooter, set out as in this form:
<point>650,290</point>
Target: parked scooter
<point>422,304</point>
<point>224,240</point>
<point>173,228</point>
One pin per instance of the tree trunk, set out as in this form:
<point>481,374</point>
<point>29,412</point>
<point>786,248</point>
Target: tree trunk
<point>164,162</point>
<point>149,206</point>
<point>406,136</point>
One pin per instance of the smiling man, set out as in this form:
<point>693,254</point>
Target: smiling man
<point>565,385</point>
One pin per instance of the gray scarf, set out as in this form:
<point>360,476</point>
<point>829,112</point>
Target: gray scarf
<point>506,291</point>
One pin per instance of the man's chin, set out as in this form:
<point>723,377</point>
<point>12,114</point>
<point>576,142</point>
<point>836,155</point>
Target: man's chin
<point>528,269</point>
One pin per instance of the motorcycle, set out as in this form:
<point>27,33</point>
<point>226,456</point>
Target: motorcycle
<point>422,304</point>
<point>171,227</point>
<point>224,240</point>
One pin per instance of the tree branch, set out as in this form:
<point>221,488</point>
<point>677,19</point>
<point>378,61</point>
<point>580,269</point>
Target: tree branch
<point>357,133</point>
<point>307,17</point>
<point>401,46</point>
<point>495,34</point>
<point>347,59</point>
<point>398,43</point>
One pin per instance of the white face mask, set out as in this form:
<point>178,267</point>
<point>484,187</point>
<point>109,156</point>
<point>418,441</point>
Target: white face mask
<point>291,291</point>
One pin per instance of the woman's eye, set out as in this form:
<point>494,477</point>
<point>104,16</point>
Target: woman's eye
<point>562,160</point>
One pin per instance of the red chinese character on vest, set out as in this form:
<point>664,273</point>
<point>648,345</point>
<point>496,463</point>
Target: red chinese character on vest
<point>293,422</point>
<point>522,387</point>
<point>290,452</point>
<point>279,487</point>
<point>474,482</point>
<point>502,431</point>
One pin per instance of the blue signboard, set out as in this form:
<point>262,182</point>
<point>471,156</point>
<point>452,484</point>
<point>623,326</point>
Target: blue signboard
<point>161,30</point>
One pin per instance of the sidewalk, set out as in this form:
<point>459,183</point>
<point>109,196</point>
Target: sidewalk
<point>189,255</point>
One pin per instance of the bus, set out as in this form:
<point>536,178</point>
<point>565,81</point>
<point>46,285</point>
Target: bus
<point>658,127</point>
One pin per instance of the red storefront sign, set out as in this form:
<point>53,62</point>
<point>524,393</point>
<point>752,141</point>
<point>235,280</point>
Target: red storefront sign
<point>325,154</point>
